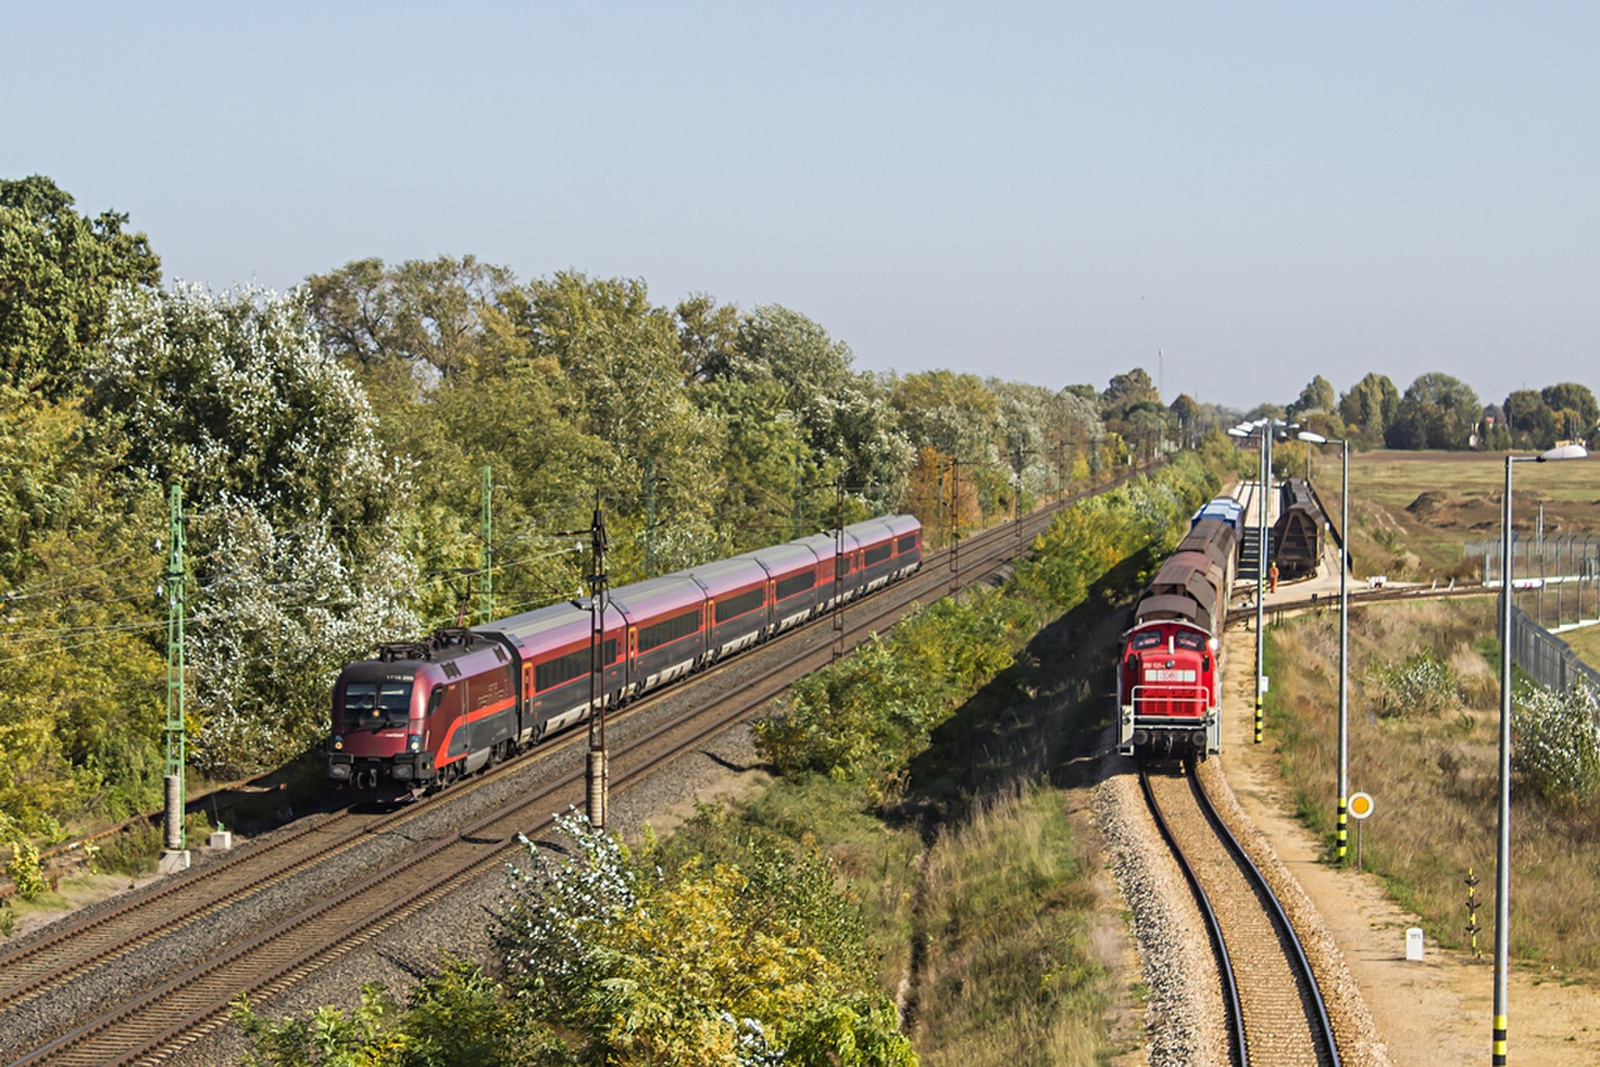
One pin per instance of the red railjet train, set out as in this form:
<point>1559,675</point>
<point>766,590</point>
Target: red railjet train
<point>426,712</point>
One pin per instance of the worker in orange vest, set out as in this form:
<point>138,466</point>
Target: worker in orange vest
<point>1272,578</point>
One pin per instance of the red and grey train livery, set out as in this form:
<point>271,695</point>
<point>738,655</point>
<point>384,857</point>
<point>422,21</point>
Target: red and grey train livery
<point>425,712</point>
<point>1168,692</point>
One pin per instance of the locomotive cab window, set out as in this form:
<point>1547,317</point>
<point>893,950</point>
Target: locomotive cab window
<point>1142,641</point>
<point>1190,640</point>
<point>377,704</point>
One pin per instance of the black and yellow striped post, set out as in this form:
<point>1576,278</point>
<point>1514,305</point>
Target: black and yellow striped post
<point>1258,718</point>
<point>1342,831</point>
<point>1499,1041</point>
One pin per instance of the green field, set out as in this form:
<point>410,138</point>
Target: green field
<point>1586,643</point>
<point>1413,511</point>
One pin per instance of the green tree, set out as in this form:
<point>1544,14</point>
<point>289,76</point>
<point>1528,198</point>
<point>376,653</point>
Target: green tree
<point>58,271</point>
<point>81,679</point>
<point>458,1017</point>
<point>1574,409</point>
<point>1530,420</point>
<point>1186,413</point>
<point>1370,406</point>
<point>845,416</point>
<point>1125,391</point>
<point>1316,396</point>
<point>1437,411</point>
<point>747,962</point>
<point>954,413</point>
<point>405,328</point>
<point>622,360</point>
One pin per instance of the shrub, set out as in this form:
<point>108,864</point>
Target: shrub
<point>1421,685</point>
<point>1557,743</point>
<point>756,962</point>
<point>25,871</point>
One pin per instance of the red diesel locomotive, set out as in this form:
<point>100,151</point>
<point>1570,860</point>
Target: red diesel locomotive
<point>1168,692</point>
<point>426,712</point>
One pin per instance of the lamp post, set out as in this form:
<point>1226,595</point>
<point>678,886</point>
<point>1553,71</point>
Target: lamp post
<point>1265,428</point>
<point>1502,877</point>
<point>1343,785</point>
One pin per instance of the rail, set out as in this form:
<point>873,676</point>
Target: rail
<point>1321,1024</point>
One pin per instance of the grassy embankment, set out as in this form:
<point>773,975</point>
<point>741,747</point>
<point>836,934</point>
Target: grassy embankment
<point>977,888</point>
<point>1430,764</point>
<point>1586,643</point>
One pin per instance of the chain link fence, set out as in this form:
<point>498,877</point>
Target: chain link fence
<point>1546,658</point>
<point>1557,578</point>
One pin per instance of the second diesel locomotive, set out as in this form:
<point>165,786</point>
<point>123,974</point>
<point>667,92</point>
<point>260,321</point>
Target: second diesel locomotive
<point>1168,691</point>
<point>425,712</point>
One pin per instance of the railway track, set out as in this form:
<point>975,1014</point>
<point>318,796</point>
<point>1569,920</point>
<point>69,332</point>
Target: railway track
<point>167,1005</point>
<point>1276,1012</point>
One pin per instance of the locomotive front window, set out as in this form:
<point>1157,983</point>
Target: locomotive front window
<point>1190,640</point>
<point>377,704</point>
<point>1147,639</point>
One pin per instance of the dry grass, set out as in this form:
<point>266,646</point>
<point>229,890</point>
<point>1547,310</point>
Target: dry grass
<point>1011,974</point>
<point>1412,511</point>
<point>1434,780</point>
<point>1586,643</point>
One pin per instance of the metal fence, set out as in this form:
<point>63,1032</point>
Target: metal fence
<point>1546,658</point>
<point>1562,574</point>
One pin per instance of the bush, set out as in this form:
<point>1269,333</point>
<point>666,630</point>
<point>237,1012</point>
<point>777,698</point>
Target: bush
<point>1422,685</point>
<point>1557,743</point>
<point>24,870</point>
<point>871,714</point>
<point>760,961</point>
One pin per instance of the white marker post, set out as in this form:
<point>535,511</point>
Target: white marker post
<point>1360,808</point>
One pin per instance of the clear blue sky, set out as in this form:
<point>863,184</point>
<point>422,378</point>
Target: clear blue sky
<point>1049,192</point>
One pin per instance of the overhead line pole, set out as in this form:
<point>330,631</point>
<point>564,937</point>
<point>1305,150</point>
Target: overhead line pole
<point>598,778</point>
<point>176,852</point>
<point>486,554</point>
<point>838,576</point>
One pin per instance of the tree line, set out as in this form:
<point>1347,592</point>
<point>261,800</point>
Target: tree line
<point>1438,411</point>
<point>332,443</point>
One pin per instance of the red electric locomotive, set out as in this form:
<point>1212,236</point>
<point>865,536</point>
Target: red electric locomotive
<point>424,711</point>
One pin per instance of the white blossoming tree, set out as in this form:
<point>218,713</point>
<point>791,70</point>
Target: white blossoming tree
<point>293,506</point>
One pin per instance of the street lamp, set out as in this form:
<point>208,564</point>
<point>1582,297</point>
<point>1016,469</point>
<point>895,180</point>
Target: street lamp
<point>1266,428</point>
<point>1502,878</point>
<point>1343,790</point>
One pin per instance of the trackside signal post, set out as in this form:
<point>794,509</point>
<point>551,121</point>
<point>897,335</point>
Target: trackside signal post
<point>175,846</point>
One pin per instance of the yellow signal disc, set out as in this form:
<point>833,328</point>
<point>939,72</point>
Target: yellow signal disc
<point>1360,805</point>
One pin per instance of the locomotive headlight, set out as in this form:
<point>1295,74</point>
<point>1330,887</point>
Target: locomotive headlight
<point>413,742</point>
<point>338,742</point>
